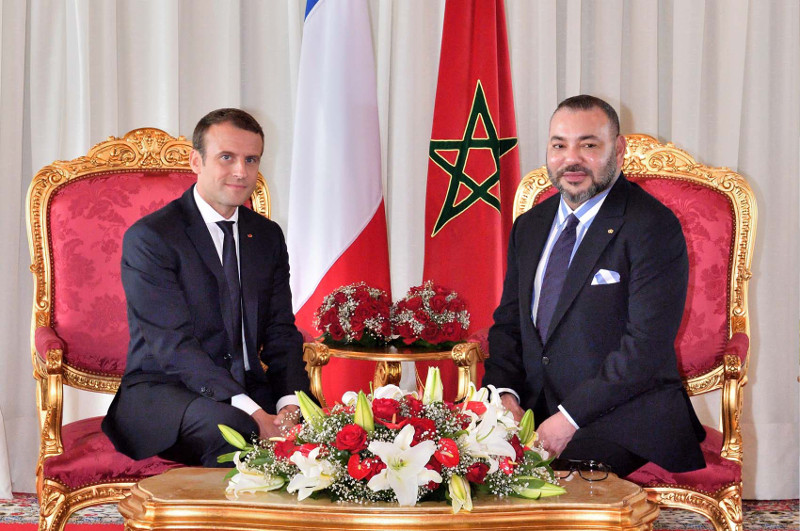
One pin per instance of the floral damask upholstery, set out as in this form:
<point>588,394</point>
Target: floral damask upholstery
<point>78,211</point>
<point>717,212</point>
<point>87,221</point>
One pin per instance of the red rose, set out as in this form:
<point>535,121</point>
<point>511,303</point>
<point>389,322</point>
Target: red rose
<point>424,430</point>
<point>414,405</point>
<point>336,331</point>
<point>385,408</point>
<point>422,318</point>
<point>451,332</point>
<point>517,446</point>
<point>476,472</point>
<point>356,325</point>
<point>386,328</point>
<point>352,438</point>
<point>328,318</point>
<point>431,334</point>
<point>414,303</point>
<point>284,449</point>
<point>438,303</point>
<point>362,312</point>
<point>339,297</point>
<point>447,452</point>
<point>456,305</point>
<point>361,295</point>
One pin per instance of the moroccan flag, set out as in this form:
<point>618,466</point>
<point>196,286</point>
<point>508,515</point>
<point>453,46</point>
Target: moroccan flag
<point>337,223</point>
<point>473,166</point>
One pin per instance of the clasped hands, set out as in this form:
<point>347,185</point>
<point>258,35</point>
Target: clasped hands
<point>553,434</point>
<point>276,425</point>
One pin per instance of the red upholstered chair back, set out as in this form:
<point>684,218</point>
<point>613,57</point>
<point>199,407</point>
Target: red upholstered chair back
<point>717,213</point>
<point>87,220</point>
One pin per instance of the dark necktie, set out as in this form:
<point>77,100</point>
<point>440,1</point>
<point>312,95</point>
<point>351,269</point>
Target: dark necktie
<point>231,267</point>
<point>554,275</point>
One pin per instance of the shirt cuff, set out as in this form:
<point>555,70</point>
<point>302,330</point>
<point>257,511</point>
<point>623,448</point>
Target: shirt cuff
<point>288,400</point>
<point>245,403</point>
<point>564,411</point>
<point>508,390</point>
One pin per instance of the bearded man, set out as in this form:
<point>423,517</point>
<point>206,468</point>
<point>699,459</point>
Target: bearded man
<point>592,301</point>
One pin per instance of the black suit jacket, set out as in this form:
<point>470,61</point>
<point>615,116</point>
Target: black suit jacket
<point>610,358</point>
<point>179,348</point>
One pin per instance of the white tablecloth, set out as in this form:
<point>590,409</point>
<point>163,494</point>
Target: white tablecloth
<point>5,472</point>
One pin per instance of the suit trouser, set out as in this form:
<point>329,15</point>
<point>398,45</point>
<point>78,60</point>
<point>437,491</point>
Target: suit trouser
<point>199,439</point>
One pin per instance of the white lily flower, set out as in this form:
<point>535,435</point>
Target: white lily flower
<point>405,466</point>
<point>389,391</point>
<point>248,480</point>
<point>349,398</point>
<point>503,415</point>
<point>314,474</point>
<point>487,439</point>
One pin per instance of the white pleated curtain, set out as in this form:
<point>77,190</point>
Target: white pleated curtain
<point>717,78</point>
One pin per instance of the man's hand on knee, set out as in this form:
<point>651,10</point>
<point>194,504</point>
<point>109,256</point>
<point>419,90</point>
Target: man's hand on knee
<point>555,433</point>
<point>267,426</point>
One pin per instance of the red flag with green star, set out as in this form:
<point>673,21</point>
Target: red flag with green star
<point>473,166</point>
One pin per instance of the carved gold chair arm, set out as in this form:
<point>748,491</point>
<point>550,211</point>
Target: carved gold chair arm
<point>316,356</point>
<point>734,378</point>
<point>732,397</point>
<point>48,371</point>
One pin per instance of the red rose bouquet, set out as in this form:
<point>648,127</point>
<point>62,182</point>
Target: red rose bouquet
<point>399,447</point>
<point>355,315</point>
<point>430,316</point>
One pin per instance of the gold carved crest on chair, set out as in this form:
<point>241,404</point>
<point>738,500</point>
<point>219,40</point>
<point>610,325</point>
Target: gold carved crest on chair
<point>77,213</point>
<point>717,211</point>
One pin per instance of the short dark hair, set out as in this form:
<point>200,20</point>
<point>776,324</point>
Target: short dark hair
<point>236,117</point>
<point>585,102</point>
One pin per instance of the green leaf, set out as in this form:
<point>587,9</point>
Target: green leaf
<point>233,437</point>
<point>230,474</point>
<point>226,458</point>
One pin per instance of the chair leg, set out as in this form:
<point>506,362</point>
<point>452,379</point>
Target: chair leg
<point>53,507</point>
<point>730,503</point>
<point>723,508</point>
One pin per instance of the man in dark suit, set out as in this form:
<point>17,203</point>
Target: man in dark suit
<point>592,301</point>
<point>207,288</point>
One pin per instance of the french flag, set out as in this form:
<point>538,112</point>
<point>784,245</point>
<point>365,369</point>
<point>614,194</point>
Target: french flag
<point>337,222</point>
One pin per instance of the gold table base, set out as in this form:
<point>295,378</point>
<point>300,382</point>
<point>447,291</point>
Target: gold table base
<point>194,498</point>
<point>388,370</point>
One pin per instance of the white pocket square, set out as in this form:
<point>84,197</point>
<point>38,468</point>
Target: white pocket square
<point>605,276</point>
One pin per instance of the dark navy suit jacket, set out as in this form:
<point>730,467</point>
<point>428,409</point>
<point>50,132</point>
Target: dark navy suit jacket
<point>610,358</point>
<point>179,348</point>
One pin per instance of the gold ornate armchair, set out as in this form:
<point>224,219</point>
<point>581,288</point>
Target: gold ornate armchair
<point>717,211</point>
<point>77,213</point>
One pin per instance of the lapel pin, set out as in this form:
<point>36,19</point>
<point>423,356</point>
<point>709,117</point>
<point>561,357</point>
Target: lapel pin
<point>610,231</point>
<point>249,235</point>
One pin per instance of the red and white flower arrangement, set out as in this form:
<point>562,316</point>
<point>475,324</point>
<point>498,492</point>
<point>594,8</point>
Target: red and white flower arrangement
<point>430,315</point>
<point>398,447</point>
<point>355,314</point>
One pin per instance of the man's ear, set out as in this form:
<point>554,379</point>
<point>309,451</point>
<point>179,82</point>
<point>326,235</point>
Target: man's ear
<point>621,143</point>
<point>195,161</point>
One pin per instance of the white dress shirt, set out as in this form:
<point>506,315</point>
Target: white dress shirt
<point>211,217</point>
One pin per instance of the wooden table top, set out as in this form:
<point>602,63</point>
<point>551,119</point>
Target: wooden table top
<point>194,498</point>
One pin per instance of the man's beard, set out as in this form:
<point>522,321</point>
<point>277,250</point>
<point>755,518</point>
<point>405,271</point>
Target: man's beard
<point>597,185</point>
